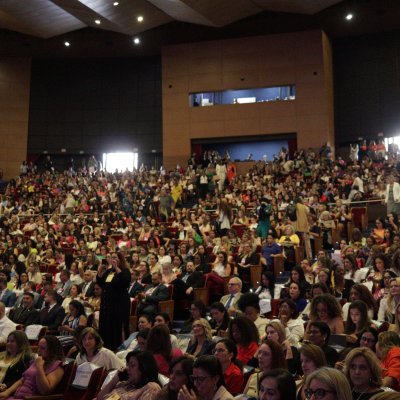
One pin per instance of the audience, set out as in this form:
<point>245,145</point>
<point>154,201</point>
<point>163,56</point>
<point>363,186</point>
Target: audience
<point>172,232</point>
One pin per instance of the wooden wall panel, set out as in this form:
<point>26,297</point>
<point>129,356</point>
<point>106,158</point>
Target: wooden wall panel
<point>302,59</point>
<point>14,113</point>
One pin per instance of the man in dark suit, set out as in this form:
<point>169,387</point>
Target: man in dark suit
<point>192,278</point>
<point>26,314</point>
<point>135,287</point>
<point>153,295</point>
<point>52,314</point>
<point>64,286</point>
<point>87,285</point>
<point>7,297</point>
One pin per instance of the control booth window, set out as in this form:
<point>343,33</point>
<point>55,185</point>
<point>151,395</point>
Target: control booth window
<point>243,96</point>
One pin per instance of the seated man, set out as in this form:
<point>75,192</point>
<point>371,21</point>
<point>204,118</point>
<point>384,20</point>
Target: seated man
<point>318,334</point>
<point>64,286</point>
<point>6,325</point>
<point>87,285</point>
<point>230,301</point>
<point>192,278</point>
<point>31,287</point>
<point>135,287</point>
<point>52,315</point>
<point>148,301</point>
<point>26,314</point>
<point>7,297</point>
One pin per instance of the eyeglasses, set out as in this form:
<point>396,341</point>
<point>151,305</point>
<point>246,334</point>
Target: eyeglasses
<point>198,379</point>
<point>219,350</point>
<point>368,340</point>
<point>318,394</point>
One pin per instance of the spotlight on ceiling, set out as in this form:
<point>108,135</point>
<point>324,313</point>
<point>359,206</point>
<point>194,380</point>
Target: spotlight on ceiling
<point>349,17</point>
<point>115,3</point>
<point>97,21</point>
<point>67,44</point>
<point>136,40</point>
<point>140,18</point>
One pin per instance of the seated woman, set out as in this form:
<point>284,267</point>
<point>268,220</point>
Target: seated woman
<point>360,292</point>
<point>369,338</point>
<point>219,319</point>
<point>341,285</point>
<point>388,351</point>
<point>326,308</point>
<point>208,381</point>
<point>92,350</point>
<point>289,318</point>
<point>296,294</point>
<point>76,317</point>
<point>44,373</point>
<point>280,382</point>
<point>221,266</point>
<point>368,383</point>
<point>202,343</point>
<point>388,304</point>
<point>275,331</point>
<point>226,352</point>
<point>266,290</point>
<point>15,360</point>
<point>325,276</point>
<point>74,294</point>
<point>159,344</point>
<point>164,319</point>
<point>197,310</point>
<point>270,356</point>
<point>289,241</point>
<point>181,370</point>
<point>244,333</point>
<point>327,383</point>
<point>311,357</point>
<point>357,321</point>
<point>141,383</point>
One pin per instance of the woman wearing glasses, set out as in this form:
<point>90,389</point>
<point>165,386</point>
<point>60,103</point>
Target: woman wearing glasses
<point>208,380</point>
<point>225,351</point>
<point>369,338</point>
<point>327,384</point>
<point>363,371</point>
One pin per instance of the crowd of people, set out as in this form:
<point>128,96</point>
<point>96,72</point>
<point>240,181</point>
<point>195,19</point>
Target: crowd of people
<point>84,253</point>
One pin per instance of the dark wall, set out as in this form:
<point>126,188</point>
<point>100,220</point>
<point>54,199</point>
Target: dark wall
<point>95,106</point>
<point>367,87</point>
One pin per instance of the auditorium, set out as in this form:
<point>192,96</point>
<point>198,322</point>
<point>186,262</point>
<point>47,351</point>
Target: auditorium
<point>199,200</point>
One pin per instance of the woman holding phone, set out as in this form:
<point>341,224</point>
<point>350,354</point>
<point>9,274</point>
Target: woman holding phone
<point>114,279</point>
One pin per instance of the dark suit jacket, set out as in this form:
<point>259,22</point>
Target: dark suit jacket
<point>195,280</point>
<point>52,319</point>
<point>136,288</point>
<point>90,289</point>
<point>25,316</point>
<point>160,293</point>
<point>9,298</point>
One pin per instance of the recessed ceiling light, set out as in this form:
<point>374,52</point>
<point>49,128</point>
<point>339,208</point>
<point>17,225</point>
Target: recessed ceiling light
<point>349,17</point>
<point>140,18</point>
<point>136,40</point>
<point>67,44</point>
<point>115,3</point>
<point>97,21</point>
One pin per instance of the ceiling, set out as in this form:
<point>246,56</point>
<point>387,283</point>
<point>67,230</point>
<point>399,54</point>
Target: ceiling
<point>39,28</point>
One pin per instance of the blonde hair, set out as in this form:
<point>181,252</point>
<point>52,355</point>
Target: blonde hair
<point>397,319</point>
<point>277,325</point>
<point>372,361</point>
<point>390,300</point>
<point>206,326</point>
<point>334,380</point>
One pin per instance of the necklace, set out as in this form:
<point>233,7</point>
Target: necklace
<point>361,394</point>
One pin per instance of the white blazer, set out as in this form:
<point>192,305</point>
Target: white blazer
<point>396,192</point>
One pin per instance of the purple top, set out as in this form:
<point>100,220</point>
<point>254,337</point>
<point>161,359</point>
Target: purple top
<point>28,387</point>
